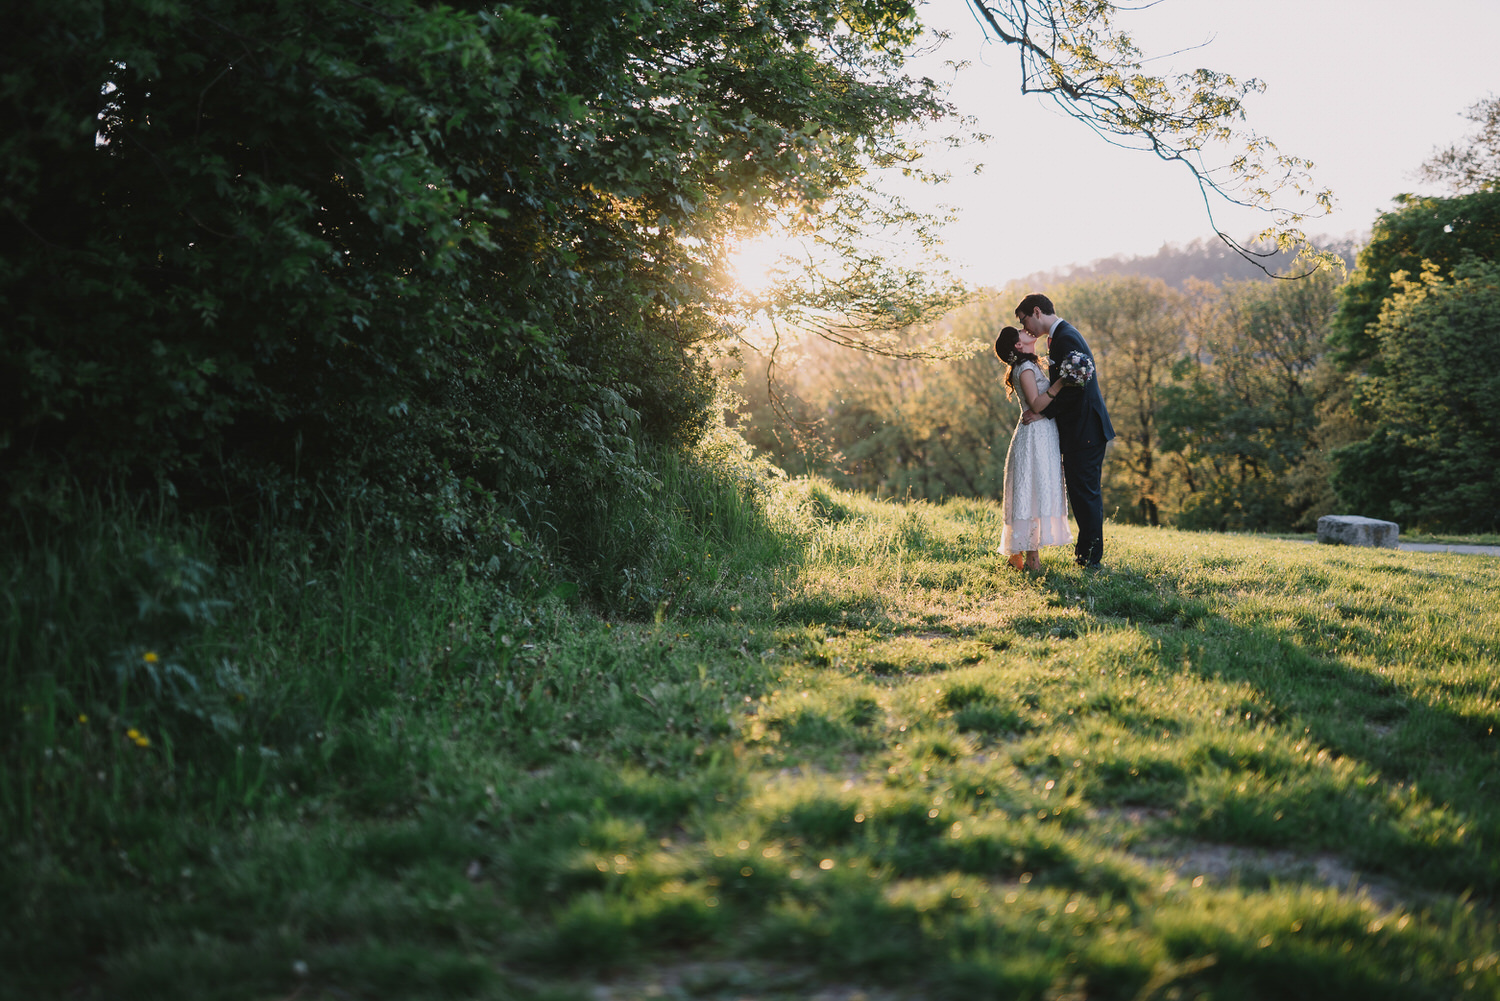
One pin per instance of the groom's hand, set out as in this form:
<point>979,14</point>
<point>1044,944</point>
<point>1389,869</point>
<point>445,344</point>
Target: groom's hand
<point>1027,416</point>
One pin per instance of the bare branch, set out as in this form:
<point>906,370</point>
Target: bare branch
<point>1093,71</point>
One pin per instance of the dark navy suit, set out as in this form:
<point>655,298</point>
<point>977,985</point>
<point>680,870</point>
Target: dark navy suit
<point>1083,429</point>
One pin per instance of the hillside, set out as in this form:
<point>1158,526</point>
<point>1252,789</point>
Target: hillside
<point>1209,260</point>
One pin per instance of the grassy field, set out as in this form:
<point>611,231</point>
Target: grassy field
<point>845,753</point>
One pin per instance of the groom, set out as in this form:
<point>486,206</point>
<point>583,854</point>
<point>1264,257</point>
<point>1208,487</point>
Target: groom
<point>1083,426</point>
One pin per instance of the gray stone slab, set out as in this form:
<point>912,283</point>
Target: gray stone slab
<point>1353,530</point>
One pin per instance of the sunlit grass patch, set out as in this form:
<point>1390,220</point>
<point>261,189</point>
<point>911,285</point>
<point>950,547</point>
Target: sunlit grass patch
<point>1219,688</point>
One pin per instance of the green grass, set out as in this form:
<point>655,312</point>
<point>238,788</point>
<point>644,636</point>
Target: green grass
<point>840,745</point>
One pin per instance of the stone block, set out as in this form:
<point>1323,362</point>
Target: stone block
<point>1352,530</point>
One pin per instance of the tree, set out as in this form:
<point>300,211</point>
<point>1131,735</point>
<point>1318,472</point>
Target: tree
<point>1474,164</point>
<point>454,261</point>
<point>1135,326</point>
<point>1433,458</point>
<point>458,262</point>
<point>1076,55</point>
<point>1420,232</point>
<point>1425,233</point>
<point>1241,416</point>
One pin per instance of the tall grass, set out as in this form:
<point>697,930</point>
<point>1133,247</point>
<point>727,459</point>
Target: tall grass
<point>163,695</point>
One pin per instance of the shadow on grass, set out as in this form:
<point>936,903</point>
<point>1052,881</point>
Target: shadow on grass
<point>1404,787</point>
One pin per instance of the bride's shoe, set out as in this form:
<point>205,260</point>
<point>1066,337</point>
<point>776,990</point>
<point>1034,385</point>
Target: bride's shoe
<point>1018,561</point>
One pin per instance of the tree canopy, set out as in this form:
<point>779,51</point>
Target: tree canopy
<point>1434,453</point>
<point>1421,232</point>
<point>440,252</point>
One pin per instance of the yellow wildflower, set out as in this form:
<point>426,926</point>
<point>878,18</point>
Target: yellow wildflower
<point>150,657</point>
<point>82,718</point>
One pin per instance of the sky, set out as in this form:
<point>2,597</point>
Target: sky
<point>1365,89</point>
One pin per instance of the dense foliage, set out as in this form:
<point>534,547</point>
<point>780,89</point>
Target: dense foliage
<point>453,264</point>
<point>1434,454</point>
<point>1418,328</point>
<point>1243,419</point>
<point>1420,232</point>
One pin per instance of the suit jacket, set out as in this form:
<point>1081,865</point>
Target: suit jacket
<point>1082,420</point>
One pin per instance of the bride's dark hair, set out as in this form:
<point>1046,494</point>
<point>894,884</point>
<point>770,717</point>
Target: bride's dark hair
<point>1005,350</point>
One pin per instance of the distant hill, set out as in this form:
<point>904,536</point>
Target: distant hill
<point>1210,260</point>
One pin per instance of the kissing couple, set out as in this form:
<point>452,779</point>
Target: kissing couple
<point>1058,446</point>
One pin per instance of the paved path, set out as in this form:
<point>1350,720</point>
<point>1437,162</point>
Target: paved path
<point>1432,547</point>
<point>1428,547</point>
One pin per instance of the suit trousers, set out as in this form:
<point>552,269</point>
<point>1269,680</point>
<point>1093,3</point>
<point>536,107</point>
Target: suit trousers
<point>1082,469</point>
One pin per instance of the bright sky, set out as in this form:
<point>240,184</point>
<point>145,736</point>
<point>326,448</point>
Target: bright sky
<point>1365,89</point>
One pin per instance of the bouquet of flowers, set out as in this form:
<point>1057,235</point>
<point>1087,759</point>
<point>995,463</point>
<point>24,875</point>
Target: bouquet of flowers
<point>1076,369</point>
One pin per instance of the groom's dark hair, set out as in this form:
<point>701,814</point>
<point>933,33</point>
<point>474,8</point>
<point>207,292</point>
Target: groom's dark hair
<point>1032,301</point>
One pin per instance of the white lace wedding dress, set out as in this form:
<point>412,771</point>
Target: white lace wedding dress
<point>1035,507</point>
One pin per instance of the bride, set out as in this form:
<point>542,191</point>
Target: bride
<point>1035,508</point>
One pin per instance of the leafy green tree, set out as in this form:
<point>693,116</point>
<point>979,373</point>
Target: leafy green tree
<point>1424,234</point>
<point>1136,328</point>
<point>1433,459</point>
<point>1420,232</point>
<point>459,264</point>
<point>1242,413</point>
<point>456,262</point>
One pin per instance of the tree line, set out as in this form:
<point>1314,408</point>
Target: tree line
<point>1240,405</point>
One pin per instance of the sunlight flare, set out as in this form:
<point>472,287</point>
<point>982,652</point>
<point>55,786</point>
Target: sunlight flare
<point>758,263</point>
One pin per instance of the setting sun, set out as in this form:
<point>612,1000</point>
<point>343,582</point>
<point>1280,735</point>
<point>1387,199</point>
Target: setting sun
<point>760,262</point>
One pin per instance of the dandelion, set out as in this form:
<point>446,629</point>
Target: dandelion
<point>150,657</point>
<point>138,738</point>
<point>82,718</point>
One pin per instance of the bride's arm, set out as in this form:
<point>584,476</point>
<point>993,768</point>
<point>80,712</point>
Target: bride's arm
<point>1036,402</point>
